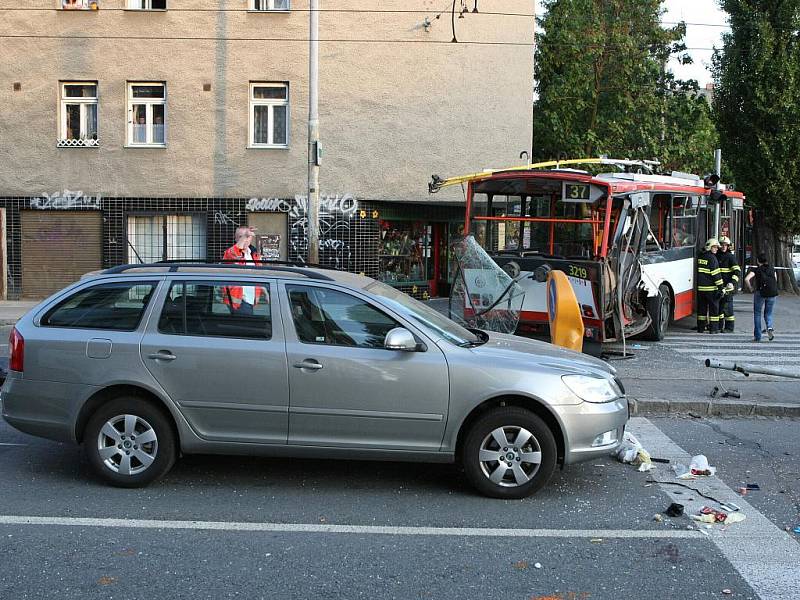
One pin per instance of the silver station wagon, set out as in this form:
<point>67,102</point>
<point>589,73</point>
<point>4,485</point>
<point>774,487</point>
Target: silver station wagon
<point>141,363</point>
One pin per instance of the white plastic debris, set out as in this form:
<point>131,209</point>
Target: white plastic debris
<point>698,467</point>
<point>630,451</point>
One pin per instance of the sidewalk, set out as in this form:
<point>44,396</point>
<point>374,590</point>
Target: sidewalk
<point>12,310</point>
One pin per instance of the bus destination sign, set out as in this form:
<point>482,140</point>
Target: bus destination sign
<point>576,192</point>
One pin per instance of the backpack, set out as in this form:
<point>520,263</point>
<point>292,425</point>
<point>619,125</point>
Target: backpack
<point>767,282</point>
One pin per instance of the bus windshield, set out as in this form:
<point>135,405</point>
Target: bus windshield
<point>542,223</point>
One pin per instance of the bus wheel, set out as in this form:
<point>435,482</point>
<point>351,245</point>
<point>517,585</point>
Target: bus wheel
<point>660,310</point>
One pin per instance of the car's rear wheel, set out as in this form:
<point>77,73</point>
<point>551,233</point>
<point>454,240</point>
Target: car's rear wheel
<point>129,442</point>
<point>509,452</point>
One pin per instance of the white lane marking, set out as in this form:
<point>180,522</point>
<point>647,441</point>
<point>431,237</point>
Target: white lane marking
<point>11,444</point>
<point>359,529</point>
<point>765,556</point>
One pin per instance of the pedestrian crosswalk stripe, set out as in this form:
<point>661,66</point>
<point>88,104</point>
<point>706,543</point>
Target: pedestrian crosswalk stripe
<point>745,360</point>
<point>785,347</point>
<point>729,336</point>
<point>755,349</point>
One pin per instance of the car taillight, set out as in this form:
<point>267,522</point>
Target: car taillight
<point>16,348</point>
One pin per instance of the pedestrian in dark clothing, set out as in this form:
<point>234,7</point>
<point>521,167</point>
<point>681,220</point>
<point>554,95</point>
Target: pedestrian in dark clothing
<point>764,284</point>
<point>709,288</point>
<point>730,270</point>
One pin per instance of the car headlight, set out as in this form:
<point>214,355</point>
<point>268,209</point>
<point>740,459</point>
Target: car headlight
<point>592,389</point>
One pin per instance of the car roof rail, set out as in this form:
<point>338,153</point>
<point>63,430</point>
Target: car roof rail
<point>263,265</point>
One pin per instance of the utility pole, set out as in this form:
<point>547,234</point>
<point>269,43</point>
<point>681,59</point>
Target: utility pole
<point>314,153</point>
<point>718,171</point>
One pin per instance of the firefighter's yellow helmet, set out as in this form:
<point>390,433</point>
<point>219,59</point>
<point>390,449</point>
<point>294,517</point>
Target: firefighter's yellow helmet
<point>726,240</point>
<point>711,243</point>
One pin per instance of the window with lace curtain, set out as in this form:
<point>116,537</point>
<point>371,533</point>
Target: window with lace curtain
<point>269,115</point>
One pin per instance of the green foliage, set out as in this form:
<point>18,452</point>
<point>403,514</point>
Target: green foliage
<point>603,87</point>
<point>757,106</point>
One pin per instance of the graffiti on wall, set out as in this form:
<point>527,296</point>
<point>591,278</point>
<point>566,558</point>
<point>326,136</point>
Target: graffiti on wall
<point>344,204</point>
<point>223,218</point>
<point>65,200</point>
<point>335,214</point>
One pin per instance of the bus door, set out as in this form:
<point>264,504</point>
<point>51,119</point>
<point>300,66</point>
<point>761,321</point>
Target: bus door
<point>738,231</point>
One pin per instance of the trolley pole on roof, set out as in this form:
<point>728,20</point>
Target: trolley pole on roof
<point>718,171</point>
<point>314,152</point>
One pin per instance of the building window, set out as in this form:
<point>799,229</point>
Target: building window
<point>78,114</point>
<point>147,4</point>
<point>147,114</point>
<point>269,115</point>
<point>153,238</point>
<point>79,4</point>
<point>264,5</point>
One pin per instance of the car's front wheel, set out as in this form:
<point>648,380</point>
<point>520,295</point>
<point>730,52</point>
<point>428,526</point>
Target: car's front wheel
<point>509,452</point>
<point>129,442</point>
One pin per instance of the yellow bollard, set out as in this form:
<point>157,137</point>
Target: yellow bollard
<point>566,322</point>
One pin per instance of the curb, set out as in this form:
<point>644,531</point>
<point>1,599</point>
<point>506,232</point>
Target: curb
<point>712,408</point>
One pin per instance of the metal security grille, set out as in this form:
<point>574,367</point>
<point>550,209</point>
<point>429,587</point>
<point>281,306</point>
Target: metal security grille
<point>57,249</point>
<point>152,238</point>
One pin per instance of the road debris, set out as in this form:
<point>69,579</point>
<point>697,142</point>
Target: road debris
<point>674,510</point>
<point>537,565</point>
<point>698,467</point>
<point>630,451</point>
<point>710,515</point>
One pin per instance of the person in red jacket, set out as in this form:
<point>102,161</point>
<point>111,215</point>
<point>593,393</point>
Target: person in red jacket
<point>242,299</point>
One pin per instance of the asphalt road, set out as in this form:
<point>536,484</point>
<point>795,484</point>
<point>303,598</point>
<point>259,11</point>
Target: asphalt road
<point>219,527</point>
<point>278,528</point>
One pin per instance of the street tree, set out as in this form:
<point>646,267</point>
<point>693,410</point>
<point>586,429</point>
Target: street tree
<point>604,88</point>
<point>757,110</point>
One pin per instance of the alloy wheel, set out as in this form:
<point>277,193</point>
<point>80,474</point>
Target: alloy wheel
<point>127,444</point>
<point>510,456</point>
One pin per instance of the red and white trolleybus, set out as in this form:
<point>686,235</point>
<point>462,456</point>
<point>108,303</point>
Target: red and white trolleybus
<point>626,239</point>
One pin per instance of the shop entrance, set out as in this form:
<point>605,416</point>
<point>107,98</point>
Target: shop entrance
<point>415,256</point>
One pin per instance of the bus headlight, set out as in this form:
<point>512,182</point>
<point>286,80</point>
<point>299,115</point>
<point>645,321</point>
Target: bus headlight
<point>592,389</point>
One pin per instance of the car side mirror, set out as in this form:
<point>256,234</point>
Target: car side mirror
<point>400,339</point>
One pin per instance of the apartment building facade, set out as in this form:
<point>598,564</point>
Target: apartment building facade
<point>142,130</point>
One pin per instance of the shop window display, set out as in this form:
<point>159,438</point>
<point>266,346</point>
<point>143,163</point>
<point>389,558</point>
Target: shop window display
<point>404,251</point>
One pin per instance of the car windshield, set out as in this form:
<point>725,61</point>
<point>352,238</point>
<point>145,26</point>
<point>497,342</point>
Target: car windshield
<point>423,314</point>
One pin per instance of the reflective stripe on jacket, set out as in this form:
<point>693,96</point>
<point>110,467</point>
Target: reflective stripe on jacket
<point>709,278</point>
<point>729,268</point>
<point>233,294</point>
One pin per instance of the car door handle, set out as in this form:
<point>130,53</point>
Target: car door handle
<point>308,364</point>
<point>162,356</point>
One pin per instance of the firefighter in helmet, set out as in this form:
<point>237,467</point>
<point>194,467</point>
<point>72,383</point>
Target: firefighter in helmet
<point>730,271</point>
<point>709,288</point>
